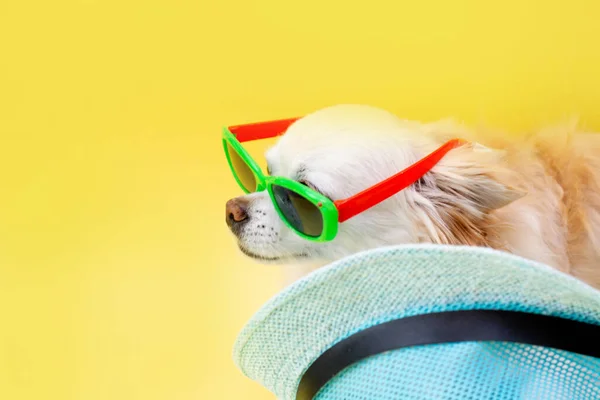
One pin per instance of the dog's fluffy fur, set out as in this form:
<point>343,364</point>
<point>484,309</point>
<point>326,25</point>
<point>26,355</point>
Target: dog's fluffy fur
<point>537,197</point>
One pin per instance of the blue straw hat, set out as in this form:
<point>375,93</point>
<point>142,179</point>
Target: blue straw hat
<point>427,322</point>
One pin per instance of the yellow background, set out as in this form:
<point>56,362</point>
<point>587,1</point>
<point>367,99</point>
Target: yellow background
<point>118,278</point>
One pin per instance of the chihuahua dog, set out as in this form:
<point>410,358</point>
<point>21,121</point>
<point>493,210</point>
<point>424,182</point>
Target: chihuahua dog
<point>537,196</point>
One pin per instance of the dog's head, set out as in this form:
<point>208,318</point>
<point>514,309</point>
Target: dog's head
<point>342,150</point>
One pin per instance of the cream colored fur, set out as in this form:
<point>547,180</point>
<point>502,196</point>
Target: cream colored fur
<point>537,196</point>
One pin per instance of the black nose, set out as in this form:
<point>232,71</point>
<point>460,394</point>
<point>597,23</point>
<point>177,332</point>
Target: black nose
<point>236,212</point>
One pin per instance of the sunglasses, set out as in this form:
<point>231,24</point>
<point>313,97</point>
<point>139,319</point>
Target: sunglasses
<point>307,212</point>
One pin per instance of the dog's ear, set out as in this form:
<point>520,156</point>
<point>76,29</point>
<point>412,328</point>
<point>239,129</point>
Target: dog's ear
<point>455,199</point>
<point>475,176</point>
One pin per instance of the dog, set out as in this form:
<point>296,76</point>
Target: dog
<point>537,196</point>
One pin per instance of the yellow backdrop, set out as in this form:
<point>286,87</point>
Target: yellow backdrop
<point>118,278</point>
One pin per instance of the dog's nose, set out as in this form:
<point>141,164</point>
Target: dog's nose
<point>235,211</point>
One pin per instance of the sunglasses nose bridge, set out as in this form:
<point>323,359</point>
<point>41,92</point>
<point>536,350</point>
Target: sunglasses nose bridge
<point>261,183</point>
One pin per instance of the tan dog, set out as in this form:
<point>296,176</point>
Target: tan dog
<point>537,197</point>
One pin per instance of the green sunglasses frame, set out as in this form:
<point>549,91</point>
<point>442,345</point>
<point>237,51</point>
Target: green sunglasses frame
<point>329,212</point>
<point>332,212</point>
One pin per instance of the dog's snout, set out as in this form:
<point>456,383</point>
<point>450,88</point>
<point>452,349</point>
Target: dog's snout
<point>236,212</point>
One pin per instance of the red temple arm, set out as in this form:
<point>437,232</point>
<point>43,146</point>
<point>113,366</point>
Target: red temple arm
<point>261,130</point>
<point>348,208</point>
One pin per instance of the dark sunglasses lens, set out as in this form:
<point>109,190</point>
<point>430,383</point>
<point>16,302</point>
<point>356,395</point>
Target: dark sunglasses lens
<point>241,170</point>
<point>300,213</point>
